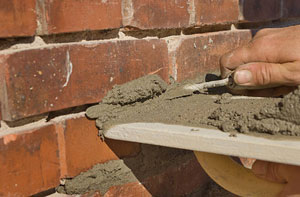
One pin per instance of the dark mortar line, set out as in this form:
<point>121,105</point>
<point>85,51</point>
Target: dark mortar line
<point>48,115</point>
<point>278,23</point>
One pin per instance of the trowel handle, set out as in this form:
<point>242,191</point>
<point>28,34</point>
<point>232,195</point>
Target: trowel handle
<point>233,85</point>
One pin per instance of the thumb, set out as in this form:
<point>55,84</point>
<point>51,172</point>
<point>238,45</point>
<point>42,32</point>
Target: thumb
<point>268,74</point>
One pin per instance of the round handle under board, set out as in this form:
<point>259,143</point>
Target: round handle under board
<point>235,178</point>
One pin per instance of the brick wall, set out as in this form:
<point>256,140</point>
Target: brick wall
<point>59,56</point>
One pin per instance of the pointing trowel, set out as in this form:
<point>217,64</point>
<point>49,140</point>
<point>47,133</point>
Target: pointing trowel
<point>228,82</point>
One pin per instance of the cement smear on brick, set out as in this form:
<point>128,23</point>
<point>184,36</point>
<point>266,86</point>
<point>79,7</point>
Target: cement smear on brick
<point>173,105</point>
<point>151,161</point>
<point>100,178</point>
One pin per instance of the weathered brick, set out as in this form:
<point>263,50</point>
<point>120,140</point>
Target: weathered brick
<point>156,14</point>
<point>84,148</point>
<point>128,190</point>
<point>17,18</point>
<point>291,8</point>
<point>92,194</point>
<point>257,10</point>
<point>45,79</point>
<point>29,162</point>
<point>69,16</point>
<point>181,180</point>
<point>211,11</point>
<point>198,54</point>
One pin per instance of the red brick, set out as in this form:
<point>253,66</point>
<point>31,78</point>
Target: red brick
<point>221,11</point>
<point>181,180</point>
<point>84,148</point>
<point>29,162</point>
<point>128,190</point>
<point>17,18</point>
<point>199,54</point>
<point>291,8</point>
<point>70,16</point>
<point>258,10</point>
<point>53,78</point>
<point>156,14</point>
<point>92,194</point>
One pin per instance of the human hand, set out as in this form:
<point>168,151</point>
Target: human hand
<point>270,59</point>
<point>281,173</point>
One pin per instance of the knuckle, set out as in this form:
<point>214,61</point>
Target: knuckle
<point>263,75</point>
<point>225,59</point>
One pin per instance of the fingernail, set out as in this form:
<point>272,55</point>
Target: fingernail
<point>242,77</point>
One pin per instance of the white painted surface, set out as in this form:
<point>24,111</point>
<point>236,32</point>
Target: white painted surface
<point>208,140</point>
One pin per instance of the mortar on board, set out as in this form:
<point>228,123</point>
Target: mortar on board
<point>150,99</point>
<point>171,105</point>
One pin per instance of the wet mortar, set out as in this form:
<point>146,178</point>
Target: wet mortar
<point>99,178</point>
<point>150,99</point>
<point>151,162</point>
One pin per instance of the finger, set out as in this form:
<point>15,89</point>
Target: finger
<point>271,92</point>
<point>291,190</point>
<point>247,162</point>
<point>268,171</point>
<point>268,74</point>
<point>250,52</point>
<point>266,31</point>
<point>260,49</point>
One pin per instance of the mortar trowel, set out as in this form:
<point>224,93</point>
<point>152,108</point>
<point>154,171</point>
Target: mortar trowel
<point>228,81</point>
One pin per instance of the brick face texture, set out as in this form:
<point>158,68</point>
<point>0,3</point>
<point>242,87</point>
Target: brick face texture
<point>198,54</point>
<point>224,11</point>
<point>156,14</point>
<point>85,149</point>
<point>128,190</point>
<point>17,18</point>
<point>53,78</point>
<point>69,15</point>
<point>29,162</point>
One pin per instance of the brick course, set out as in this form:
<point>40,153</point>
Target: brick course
<point>63,16</point>
<point>52,78</point>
